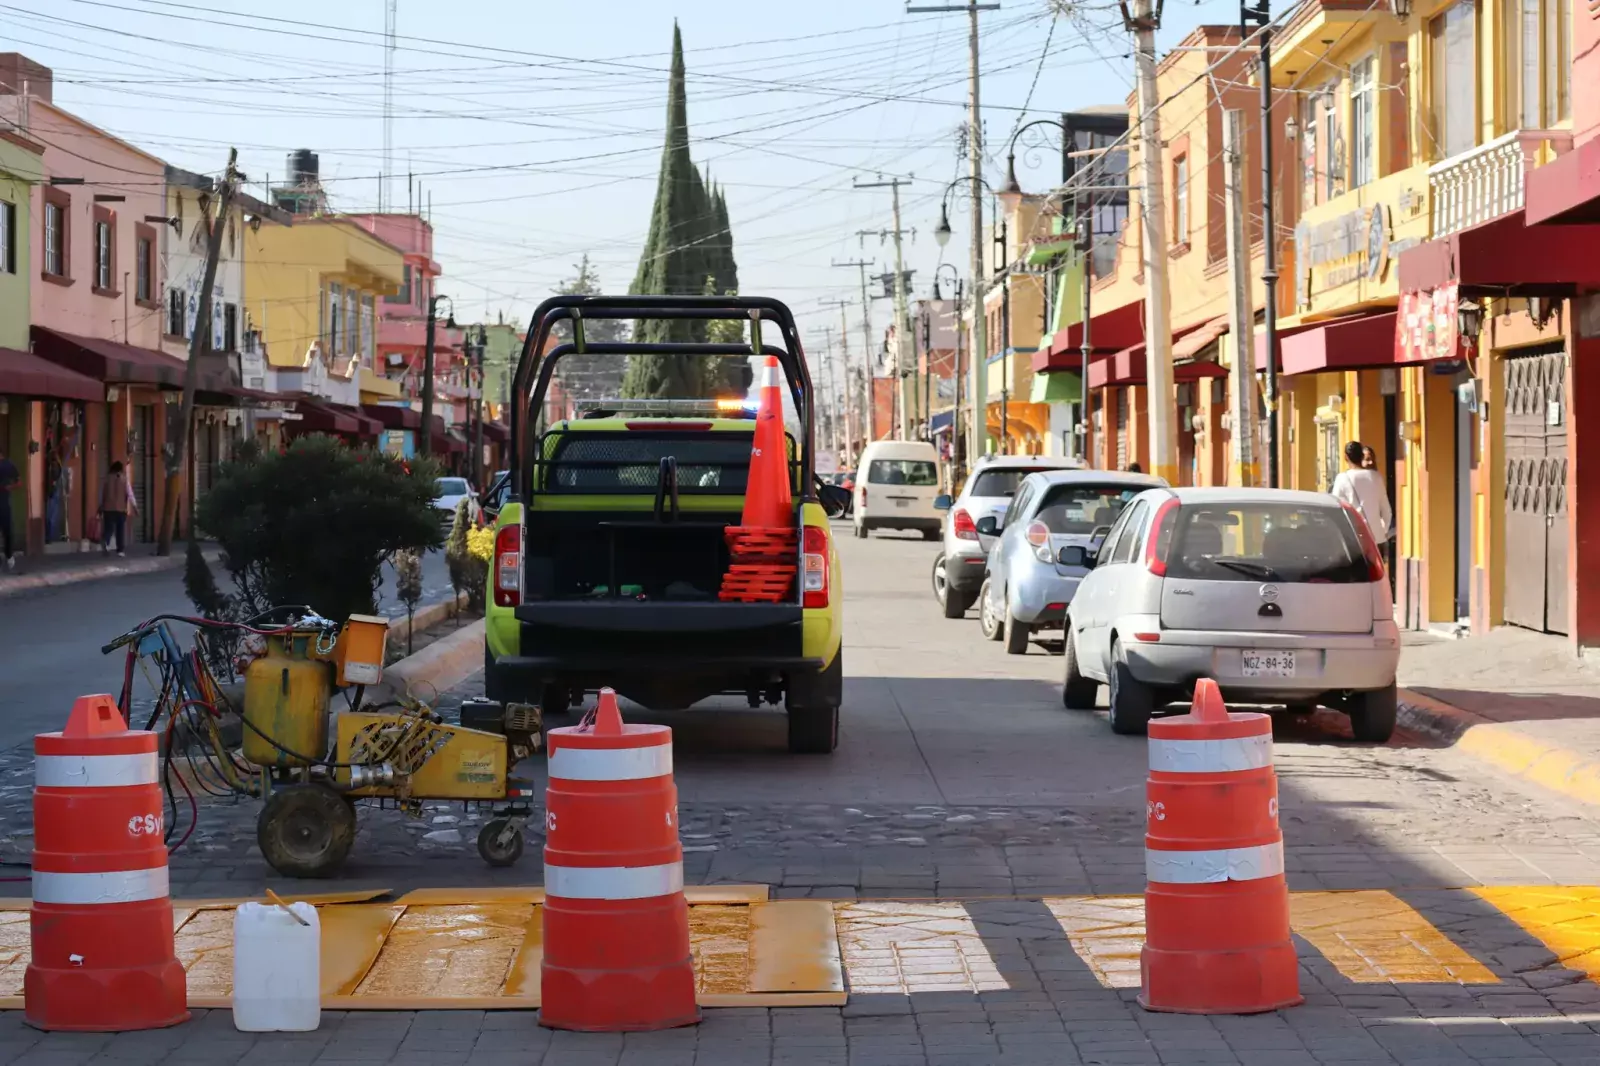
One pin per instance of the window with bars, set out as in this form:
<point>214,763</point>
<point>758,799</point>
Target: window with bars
<point>1363,122</point>
<point>177,321</point>
<point>102,256</point>
<point>333,304</point>
<point>1180,200</point>
<point>144,268</point>
<point>1453,88</point>
<point>55,239</point>
<point>230,327</point>
<point>8,237</point>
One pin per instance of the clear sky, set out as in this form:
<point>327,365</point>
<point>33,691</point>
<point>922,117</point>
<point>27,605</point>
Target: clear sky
<point>535,127</point>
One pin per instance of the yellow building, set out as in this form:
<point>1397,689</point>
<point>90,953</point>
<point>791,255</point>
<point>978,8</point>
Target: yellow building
<point>1014,318</point>
<point>311,290</point>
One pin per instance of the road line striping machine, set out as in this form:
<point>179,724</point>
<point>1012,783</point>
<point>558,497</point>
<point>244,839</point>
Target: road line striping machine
<point>395,754</point>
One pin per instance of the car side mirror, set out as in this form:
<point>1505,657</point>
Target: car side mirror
<point>835,500</point>
<point>989,526</point>
<point>942,502</point>
<point>1076,555</point>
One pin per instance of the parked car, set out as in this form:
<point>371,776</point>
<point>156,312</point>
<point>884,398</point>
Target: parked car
<point>1027,588</point>
<point>898,486</point>
<point>1279,595</point>
<point>958,569</point>
<point>448,493</point>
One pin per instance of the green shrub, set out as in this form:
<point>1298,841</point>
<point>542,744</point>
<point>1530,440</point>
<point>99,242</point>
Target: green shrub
<point>469,573</point>
<point>313,524</point>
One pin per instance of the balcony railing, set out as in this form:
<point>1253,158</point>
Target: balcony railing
<point>1485,183</point>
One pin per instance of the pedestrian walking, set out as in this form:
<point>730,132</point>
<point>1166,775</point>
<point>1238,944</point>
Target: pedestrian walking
<point>10,477</point>
<point>1361,486</point>
<point>116,504</point>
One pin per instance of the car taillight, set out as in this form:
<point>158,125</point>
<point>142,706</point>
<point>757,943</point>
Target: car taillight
<point>1369,547</point>
<point>863,495</point>
<point>1038,535</point>
<point>508,566</point>
<point>962,523</point>
<point>1160,539</point>
<point>814,567</point>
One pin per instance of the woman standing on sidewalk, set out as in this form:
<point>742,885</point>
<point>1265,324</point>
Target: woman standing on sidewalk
<point>116,503</point>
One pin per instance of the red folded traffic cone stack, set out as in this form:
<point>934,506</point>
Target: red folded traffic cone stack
<point>616,924</point>
<point>1216,904</point>
<point>103,958</point>
<point>763,546</point>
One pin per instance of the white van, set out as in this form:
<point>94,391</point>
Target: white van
<point>897,482</point>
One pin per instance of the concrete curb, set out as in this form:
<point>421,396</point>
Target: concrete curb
<point>1502,745</point>
<point>440,666</point>
<point>428,615</point>
<point>16,584</point>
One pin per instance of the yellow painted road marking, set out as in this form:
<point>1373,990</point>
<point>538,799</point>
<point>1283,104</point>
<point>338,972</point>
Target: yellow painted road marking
<point>1376,937</point>
<point>1106,932</point>
<point>909,946</point>
<point>794,947</point>
<point>1565,920</point>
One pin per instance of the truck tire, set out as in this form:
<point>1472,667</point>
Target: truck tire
<point>812,706</point>
<point>1018,634</point>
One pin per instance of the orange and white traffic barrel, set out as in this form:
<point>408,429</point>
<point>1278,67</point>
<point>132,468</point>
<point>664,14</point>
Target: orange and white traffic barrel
<point>616,925</point>
<point>103,958</point>
<point>1216,902</point>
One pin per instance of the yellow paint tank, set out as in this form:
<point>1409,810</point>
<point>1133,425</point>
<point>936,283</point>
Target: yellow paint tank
<point>286,695</point>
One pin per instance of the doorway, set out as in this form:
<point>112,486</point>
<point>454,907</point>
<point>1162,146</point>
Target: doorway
<point>1466,460</point>
<point>1535,545</point>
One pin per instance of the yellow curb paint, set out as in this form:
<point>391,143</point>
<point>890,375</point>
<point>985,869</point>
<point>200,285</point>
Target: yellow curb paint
<point>1374,937</point>
<point>1532,760</point>
<point>1565,920</point>
<point>1107,932</point>
<point>16,948</point>
<point>448,952</point>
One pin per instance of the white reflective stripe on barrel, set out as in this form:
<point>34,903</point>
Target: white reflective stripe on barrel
<point>610,764</point>
<point>1211,756</point>
<point>769,378</point>
<point>1211,867</point>
<point>96,771</point>
<point>119,886</point>
<point>613,882</point>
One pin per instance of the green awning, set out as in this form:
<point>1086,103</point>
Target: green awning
<point>1044,251</point>
<point>1059,387</point>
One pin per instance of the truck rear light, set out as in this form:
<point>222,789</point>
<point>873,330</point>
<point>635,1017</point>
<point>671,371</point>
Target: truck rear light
<point>1369,547</point>
<point>1159,542</point>
<point>814,567</point>
<point>1038,535</point>
<point>962,523</point>
<point>508,566</point>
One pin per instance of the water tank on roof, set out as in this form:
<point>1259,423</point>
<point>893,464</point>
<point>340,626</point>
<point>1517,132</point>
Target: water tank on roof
<point>302,167</point>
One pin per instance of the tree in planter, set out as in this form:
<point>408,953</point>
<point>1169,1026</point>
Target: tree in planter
<point>468,571</point>
<point>408,586</point>
<point>313,524</point>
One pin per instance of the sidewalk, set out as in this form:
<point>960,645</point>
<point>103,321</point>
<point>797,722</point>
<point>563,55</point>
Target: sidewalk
<point>49,571</point>
<point>1513,698</point>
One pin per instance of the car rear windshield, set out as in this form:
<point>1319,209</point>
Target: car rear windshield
<point>997,482</point>
<point>1084,508</point>
<point>903,472</point>
<point>450,486</point>
<point>1265,542</point>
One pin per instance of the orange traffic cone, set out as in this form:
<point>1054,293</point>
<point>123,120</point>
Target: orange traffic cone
<point>768,493</point>
<point>1216,903</point>
<point>103,958</point>
<point>616,924</point>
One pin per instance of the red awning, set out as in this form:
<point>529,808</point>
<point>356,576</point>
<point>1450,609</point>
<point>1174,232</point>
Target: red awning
<point>392,417</point>
<point>25,374</point>
<point>1505,257</point>
<point>118,364</point>
<point>1566,190</point>
<point>496,432</point>
<point>1120,327</point>
<point>1190,343</point>
<point>315,418</point>
<point>1359,342</point>
<point>1127,368</point>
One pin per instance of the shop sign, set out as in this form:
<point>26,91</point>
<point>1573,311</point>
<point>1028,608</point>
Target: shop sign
<point>1426,327</point>
<point>1354,246</point>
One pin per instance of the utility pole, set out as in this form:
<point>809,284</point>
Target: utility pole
<point>902,315</point>
<point>478,478</point>
<point>1142,24</point>
<point>201,341</point>
<point>1261,17</point>
<point>1241,315</point>
<point>980,353</point>
<point>868,411</point>
<point>425,446</point>
<point>844,347</point>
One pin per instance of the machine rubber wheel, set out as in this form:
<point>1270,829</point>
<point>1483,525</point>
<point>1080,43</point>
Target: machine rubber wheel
<point>988,621</point>
<point>495,851</point>
<point>1372,715</point>
<point>1077,692</point>
<point>1132,702</point>
<point>306,830</point>
<point>1018,635</point>
<point>813,711</point>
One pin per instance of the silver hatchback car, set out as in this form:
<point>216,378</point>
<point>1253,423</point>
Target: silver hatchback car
<point>1027,586</point>
<point>1280,596</point>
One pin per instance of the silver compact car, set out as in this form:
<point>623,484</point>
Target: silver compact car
<point>958,569</point>
<point>1027,586</point>
<point>1280,596</point>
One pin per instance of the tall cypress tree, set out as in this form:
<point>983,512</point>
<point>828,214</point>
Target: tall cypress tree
<point>688,251</point>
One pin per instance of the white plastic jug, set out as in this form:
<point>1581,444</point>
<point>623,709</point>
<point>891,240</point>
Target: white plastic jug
<point>277,969</point>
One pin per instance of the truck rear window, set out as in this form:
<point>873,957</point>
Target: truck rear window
<point>1265,542</point>
<point>902,472</point>
<point>708,463</point>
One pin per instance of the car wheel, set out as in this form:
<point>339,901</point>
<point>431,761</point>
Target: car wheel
<point>1077,692</point>
<point>1132,702</point>
<point>1372,715</point>
<point>1018,634</point>
<point>954,601</point>
<point>813,710</point>
<point>988,619</point>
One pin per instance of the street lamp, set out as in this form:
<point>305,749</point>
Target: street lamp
<point>1401,9</point>
<point>941,232</point>
<point>425,446</point>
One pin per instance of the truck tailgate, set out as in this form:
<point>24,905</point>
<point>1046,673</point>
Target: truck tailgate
<point>630,616</point>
